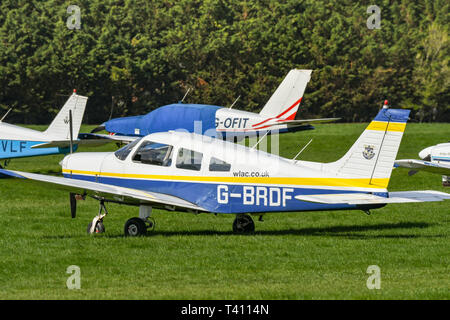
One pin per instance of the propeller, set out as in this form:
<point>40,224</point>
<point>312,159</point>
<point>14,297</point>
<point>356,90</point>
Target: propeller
<point>73,205</point>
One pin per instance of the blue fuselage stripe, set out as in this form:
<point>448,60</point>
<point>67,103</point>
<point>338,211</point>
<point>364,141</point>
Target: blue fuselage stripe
<point>228,198</point>
<point>445,159</point>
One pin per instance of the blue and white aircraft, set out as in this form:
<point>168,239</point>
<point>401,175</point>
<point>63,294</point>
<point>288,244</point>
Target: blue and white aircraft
<point>179,171</point>
<point>277,116</point>
<point>19,142</point>
<point>435,159</point>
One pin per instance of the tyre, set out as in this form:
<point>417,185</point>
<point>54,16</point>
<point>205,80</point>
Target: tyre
<point>99,227</point>
<point>135,227</point>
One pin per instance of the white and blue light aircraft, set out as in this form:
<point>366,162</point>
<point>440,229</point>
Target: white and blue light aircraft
<point>435,159</point>
<point>179,171</point>
<point>19,142</point>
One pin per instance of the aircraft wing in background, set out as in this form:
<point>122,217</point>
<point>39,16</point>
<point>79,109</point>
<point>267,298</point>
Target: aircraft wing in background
<point>416,165</point>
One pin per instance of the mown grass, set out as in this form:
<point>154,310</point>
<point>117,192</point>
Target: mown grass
<point>309,255</point>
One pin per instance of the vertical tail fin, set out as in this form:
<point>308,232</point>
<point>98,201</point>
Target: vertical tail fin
<point>286,99</point>
<point>373,154</point>
<point>60,127</point>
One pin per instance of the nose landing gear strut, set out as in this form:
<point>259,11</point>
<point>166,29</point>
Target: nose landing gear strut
<point>97,226</point>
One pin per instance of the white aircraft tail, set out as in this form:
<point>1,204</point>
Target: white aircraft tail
<point>60,127</point>
<point>284,102</point>
<point>371,158</point>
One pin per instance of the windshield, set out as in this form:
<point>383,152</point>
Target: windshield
<point>123,152</point>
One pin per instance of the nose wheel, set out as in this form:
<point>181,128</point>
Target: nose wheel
<point>99,227</point>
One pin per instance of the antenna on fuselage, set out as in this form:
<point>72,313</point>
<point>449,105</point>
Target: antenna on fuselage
<point>185,95</point>
<point>234,103</point>
<point>6,114</point>
<point>261,139</point>
<point>296,156</point>
<point>71,131</point>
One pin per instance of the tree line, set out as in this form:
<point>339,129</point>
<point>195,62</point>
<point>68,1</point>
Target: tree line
<point>132,56</point>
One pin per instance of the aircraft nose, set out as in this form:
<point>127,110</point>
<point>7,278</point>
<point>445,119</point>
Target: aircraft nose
<point>425,154</point>
<point>63,162</point>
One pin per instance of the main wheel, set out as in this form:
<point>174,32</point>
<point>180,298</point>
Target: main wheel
<point>243,224</point>
<point>99,227</point>
<point>135,227</point>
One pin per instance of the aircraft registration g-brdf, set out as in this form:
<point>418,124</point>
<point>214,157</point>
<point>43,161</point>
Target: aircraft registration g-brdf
<point>189,172</point>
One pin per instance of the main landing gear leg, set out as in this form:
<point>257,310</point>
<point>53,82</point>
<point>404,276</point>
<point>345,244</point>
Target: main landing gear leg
<point>135,227</point>
<point>97,226</point>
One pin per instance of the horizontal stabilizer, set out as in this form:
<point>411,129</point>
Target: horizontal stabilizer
<point>85,137</point>
<point>54,144</point>
<point>368,198</point>
<point>438,168</point>
<point>301,122</point>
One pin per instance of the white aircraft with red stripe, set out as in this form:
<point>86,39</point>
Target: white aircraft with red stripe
<point>277,116</point>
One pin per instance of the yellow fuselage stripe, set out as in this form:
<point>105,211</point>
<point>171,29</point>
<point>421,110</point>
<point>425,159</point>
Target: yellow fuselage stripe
<point>328,182</point>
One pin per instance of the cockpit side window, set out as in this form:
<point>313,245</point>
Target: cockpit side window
<point>218,165</point>
<point>123,152</point>
<point>154,153</point>
<point>189,159</point>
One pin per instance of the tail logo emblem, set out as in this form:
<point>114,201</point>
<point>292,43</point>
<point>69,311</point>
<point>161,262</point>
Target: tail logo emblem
<point>368,152</point>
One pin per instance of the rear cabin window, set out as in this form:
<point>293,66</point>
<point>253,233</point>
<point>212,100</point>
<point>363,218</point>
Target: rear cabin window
<point>189,159</point>
<point>123,152</point>
<point>154,153</point>
<point>219,165</point>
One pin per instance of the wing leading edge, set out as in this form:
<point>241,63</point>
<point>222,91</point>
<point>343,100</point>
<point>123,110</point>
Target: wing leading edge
<point>108,192</point>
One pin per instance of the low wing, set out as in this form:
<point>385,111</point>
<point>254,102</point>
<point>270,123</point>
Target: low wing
<point>105,191</point>
<point>368,198</point>
<point>416,165</point>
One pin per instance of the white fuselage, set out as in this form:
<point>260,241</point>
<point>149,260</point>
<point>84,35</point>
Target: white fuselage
<point>248,180</point>
<point>439,153</point>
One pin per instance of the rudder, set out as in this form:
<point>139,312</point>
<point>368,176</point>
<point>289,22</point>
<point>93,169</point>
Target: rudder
<point>372,156</point>
<point>285,100</point>
<point>60,126</point>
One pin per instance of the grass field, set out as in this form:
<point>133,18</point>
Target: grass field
<point>309,255</point>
